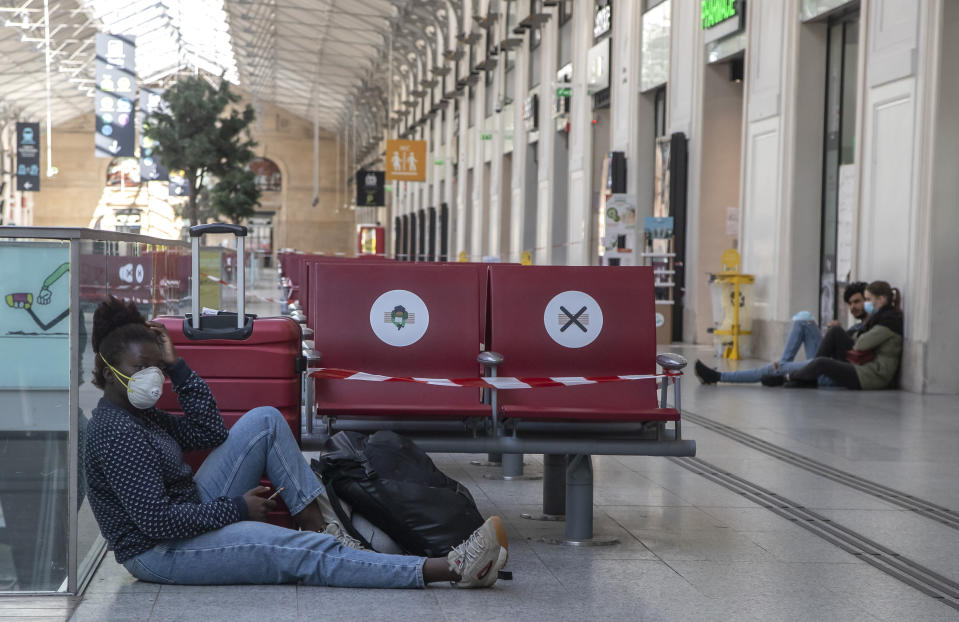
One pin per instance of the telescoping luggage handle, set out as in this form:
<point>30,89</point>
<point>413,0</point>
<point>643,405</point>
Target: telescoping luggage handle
<point>240,232</point>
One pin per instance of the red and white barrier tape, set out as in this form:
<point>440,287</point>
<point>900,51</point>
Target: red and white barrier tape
<point>232,286</point>
<point>500,382</point>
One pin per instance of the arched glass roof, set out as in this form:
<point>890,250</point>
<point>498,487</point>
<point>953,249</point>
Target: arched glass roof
<point>322,59</point>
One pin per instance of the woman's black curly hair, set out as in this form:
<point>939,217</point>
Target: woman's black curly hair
<point>115,325</point>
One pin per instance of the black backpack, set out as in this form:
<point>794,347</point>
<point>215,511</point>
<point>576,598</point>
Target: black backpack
<point>394,484</point>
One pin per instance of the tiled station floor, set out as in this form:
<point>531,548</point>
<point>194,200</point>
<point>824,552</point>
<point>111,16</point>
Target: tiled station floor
<point>690,549</point>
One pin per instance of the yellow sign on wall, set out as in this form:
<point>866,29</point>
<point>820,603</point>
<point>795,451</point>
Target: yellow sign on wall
<point>406,160</point>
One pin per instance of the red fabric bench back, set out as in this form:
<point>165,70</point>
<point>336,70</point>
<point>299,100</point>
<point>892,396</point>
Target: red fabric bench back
<point>301,281</point>
<point>342,296</point>
<point>626,343</point>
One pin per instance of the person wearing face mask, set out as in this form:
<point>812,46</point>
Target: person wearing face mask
<point>166,524</point>
<point>873,361</point>
<point>805,333</point>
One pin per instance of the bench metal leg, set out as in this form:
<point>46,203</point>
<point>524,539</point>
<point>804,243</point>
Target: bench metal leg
<point>492,460</point>
<point>554,489</point>
<point>579,504</point>
<point>512,469</point>
<point>309,402</point>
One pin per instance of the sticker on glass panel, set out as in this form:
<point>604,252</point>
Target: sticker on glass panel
<point>573,319</point>
<point>399,318</point>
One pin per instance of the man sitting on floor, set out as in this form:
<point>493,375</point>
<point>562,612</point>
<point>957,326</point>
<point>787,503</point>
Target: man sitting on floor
<point>805,332</point>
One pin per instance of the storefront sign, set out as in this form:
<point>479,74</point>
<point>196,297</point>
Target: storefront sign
<point>406,160</point>
<point>619,230</point>
<point>369,188</point>
<point>716,11</point>
<point>721,17</point>
<point>603,18</point>
<point>116,89</point>
<point>28,157</point>
<point>564,77</point>
<point>597,63</point>
<point>151,102</point>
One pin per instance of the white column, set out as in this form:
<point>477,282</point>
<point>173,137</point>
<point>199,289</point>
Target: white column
<point>493,241</point>
<point>462,244</point>
<point>448,197</point>
<point>479,170</point>
<point>518,205</point>
<point>935,330</point>
<point>438,176</point>
<point>685,102</point>
<point>422,193</point>
<point>547,139</point>
<point>579,211</point>
<point>906,227</point>
<point>462,175</point>
<point>764,217</point>
<point>624,75</point>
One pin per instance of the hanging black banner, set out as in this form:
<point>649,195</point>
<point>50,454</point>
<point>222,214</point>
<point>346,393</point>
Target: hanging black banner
<point>369,188</point>
<point>28,157</point>
<point>114,97</point>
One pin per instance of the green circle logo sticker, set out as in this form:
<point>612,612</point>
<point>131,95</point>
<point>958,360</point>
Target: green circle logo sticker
<point>399,318</point>
<point>573,319</point>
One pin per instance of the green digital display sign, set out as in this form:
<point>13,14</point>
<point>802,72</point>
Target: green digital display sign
<point>714,12</point>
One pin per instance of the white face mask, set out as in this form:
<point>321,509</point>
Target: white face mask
<point>144,388</point>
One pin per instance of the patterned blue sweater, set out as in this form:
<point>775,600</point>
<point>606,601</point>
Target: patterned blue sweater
<point>141,491</point>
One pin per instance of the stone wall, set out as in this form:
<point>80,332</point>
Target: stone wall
<point>70,198</point>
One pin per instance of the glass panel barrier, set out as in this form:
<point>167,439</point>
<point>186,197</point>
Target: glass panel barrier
<point>49,289</point>
<point>35,424</point>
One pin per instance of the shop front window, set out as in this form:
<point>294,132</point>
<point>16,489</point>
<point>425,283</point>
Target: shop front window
<point>839,166</point>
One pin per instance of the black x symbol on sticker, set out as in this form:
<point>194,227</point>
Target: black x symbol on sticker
<point>572,318</point>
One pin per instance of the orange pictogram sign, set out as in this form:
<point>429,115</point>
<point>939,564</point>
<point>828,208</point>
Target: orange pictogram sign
<point>406,160</point>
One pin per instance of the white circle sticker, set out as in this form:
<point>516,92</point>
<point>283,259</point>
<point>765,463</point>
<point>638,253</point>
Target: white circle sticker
<point>399,318</point>
<point>660,319</point>
<point>573,319</point>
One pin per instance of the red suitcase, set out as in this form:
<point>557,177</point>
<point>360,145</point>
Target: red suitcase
<point>247,361</point>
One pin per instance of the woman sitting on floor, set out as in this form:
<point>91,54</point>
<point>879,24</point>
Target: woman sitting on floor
<point>166,524</point>
<point>870,362</point>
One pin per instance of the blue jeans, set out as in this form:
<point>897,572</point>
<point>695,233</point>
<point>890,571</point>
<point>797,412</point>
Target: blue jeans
<point>803,333</point>
<point>255,552</point>
<point>756,374</point>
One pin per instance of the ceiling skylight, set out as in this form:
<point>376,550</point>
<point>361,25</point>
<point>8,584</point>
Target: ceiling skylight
<point>171,34</point>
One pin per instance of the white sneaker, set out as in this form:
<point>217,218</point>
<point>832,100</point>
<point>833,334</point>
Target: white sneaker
<point>335,530</point>
<point>479,559</point>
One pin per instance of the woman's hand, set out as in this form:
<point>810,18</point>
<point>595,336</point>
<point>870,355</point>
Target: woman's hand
<point>167,351</point>
<point>257,506</point>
